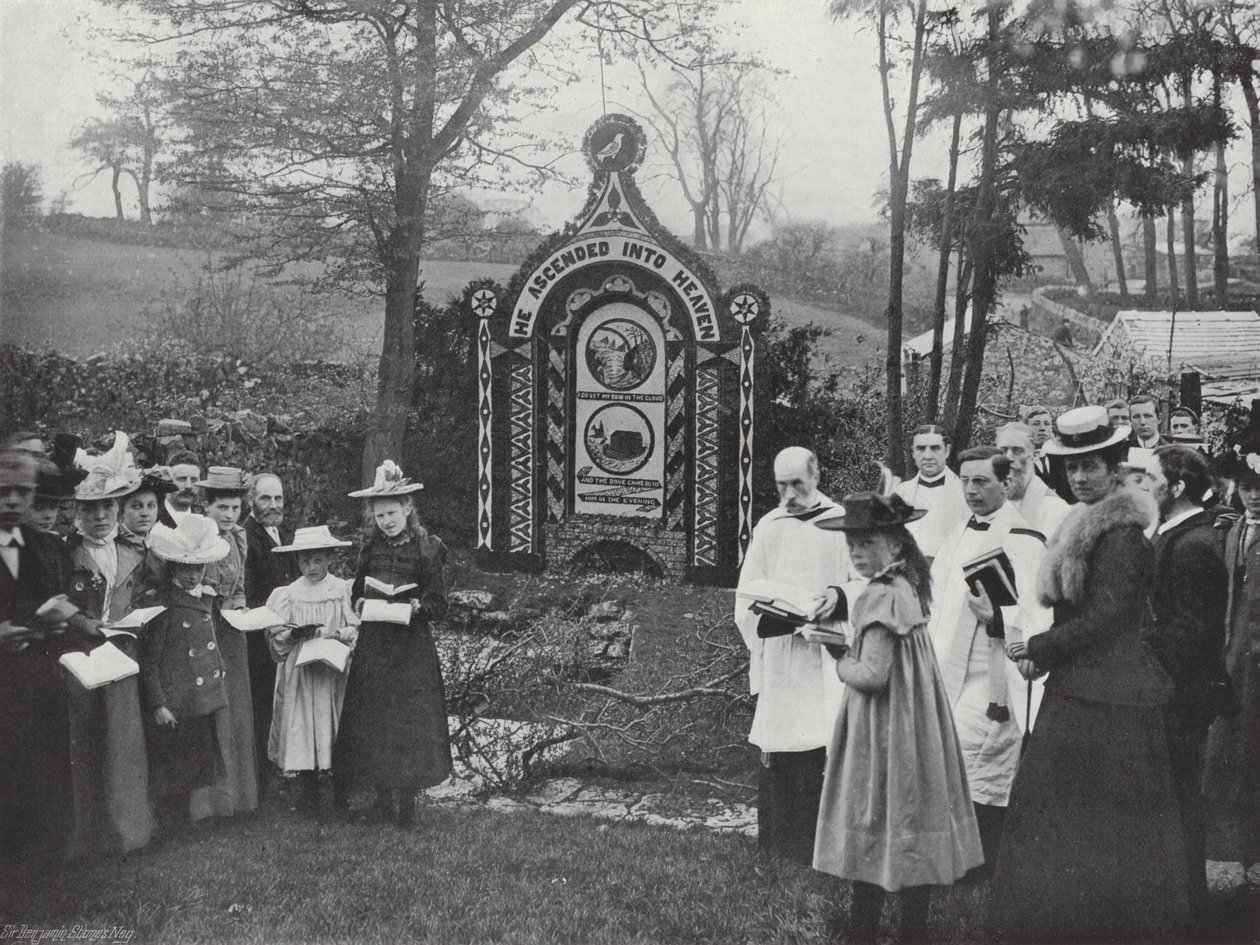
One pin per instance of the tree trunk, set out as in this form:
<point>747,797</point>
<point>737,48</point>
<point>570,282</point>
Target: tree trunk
<point>985,278</point>
<point>1117,249</point>
<point>958,350</point>
<point>1076,262</point>
<point>899,187</point>
<point>1220,228</point>
<point>1150,259</point>
<point>118,207</point>
<point>698,237</point>
<point>1246,82</point>
<point>1174,288</point>
<point>1187,214</point>
<point>936,364</point>
<point>143,182</point>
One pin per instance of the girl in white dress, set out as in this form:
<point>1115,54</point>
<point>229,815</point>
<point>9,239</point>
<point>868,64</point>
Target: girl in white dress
<point>308,697</point>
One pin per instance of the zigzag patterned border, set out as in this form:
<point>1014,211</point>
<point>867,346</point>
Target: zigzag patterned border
<point>556,441</point>
<point>521,458</point>
<point>485,449</point>
<point>706,512</point>
<point>746,351</point>
<point>675,438</point>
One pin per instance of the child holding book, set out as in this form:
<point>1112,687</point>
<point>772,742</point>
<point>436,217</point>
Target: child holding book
<point>181,674</point>
<point>393,730</point>
<point>309,695</point>
<point>896,813</point>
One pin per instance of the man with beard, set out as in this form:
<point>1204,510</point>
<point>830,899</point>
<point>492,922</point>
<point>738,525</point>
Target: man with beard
<point>1188,636</point>
<point>795,682</point>
<point>1025,490</point>
<point>264,572</point>
<point>185,470</point>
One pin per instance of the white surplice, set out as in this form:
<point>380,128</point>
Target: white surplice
<point>942,499</point>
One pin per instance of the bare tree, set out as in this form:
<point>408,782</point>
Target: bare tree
<point>749,158</point>
<point>333,119</point>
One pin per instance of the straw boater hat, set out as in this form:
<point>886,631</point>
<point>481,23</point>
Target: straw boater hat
<point>390,483</point>
<point>224,479</point>
<point>194,540</point>
<point>315,538</point>
<point>1084,430</point>
<point>866,511</point>
<point>111,475</point>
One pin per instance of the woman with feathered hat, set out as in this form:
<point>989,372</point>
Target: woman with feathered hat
<point>107,746</point>
<point>1094,847</point>
<point>393,732</point>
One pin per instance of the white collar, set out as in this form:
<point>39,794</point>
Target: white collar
<point>13,536</point>
<point>923,478</point>
<point>1177,520</point>
<point>1147,444</point>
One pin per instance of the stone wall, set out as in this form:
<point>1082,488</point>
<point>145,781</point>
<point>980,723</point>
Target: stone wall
<point>567,540</point>
<point>1046,315</point>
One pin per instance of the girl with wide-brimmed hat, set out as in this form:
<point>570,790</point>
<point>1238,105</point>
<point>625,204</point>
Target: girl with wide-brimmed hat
<point>1093,847</point>
<point>309,695</point>
<point>110,775</point>
<point>393,731</point>
<point>896,813</point>
<point>181,673</point>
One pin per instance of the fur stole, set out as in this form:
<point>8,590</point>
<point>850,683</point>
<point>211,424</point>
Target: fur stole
<point>1065,567</point>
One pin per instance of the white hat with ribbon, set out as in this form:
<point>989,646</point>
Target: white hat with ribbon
<point>1084,430</point>
<point>111,475</point>
<point>315,538</point>
<point>389,482</point>
<point>195,539</point>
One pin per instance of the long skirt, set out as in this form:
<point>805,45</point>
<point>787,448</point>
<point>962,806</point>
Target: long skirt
<point>109,770</point>
<point>184,757</point>
<point>1094,846</point>
<point>393,729</point>
<point>236,792</point>
<point>1231,778</point>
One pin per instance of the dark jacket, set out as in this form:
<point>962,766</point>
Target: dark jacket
<point>264,571</point>
<point>1188,635</point>
<point>180,666</point>
<point>1097,575</point>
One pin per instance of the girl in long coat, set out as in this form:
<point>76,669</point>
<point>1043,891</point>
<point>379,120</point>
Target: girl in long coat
<point>237,792</point>
<point>393,731</point>
<point>896,813</point>
<point>1094,847</point>
<point>109,761</point>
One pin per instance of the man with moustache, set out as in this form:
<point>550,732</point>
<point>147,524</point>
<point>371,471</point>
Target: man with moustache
<point>185,468</point>
<point>1188,634</point>
<point>798,693</point>
<point>992,705</point>
<point>1025,490</point>
<point>264,572</point>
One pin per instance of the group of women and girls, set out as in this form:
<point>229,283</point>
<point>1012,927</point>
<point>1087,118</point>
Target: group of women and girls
<point>109,768</point>
<point>1095,845</point>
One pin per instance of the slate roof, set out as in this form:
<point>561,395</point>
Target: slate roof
<point>1219,345</point>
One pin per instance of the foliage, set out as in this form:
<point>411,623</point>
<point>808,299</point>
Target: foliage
<point>170,234</point>
<point>21,195</point>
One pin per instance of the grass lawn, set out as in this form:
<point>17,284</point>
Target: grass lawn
<point>81,296</point>
<point>464,876</point>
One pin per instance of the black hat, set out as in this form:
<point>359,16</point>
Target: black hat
<point>1243,457</point>
<point>866,511</point>
<point>57,476</point>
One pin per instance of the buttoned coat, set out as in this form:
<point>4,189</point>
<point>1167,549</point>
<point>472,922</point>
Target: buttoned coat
<point>1232,768</point>
<point>180,666</point>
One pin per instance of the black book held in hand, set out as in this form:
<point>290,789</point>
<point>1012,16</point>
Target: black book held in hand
<point>992,571</point>
<point>306,631</point>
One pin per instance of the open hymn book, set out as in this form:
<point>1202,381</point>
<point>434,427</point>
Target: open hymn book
<point>103,665</point>
<point>389,590</point>
<point>795,606</point>
<point>248,621</point>
<point>330,652</point>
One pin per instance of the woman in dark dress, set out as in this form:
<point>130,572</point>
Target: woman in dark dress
<point>393,731</point>
<point>1093,847</point>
